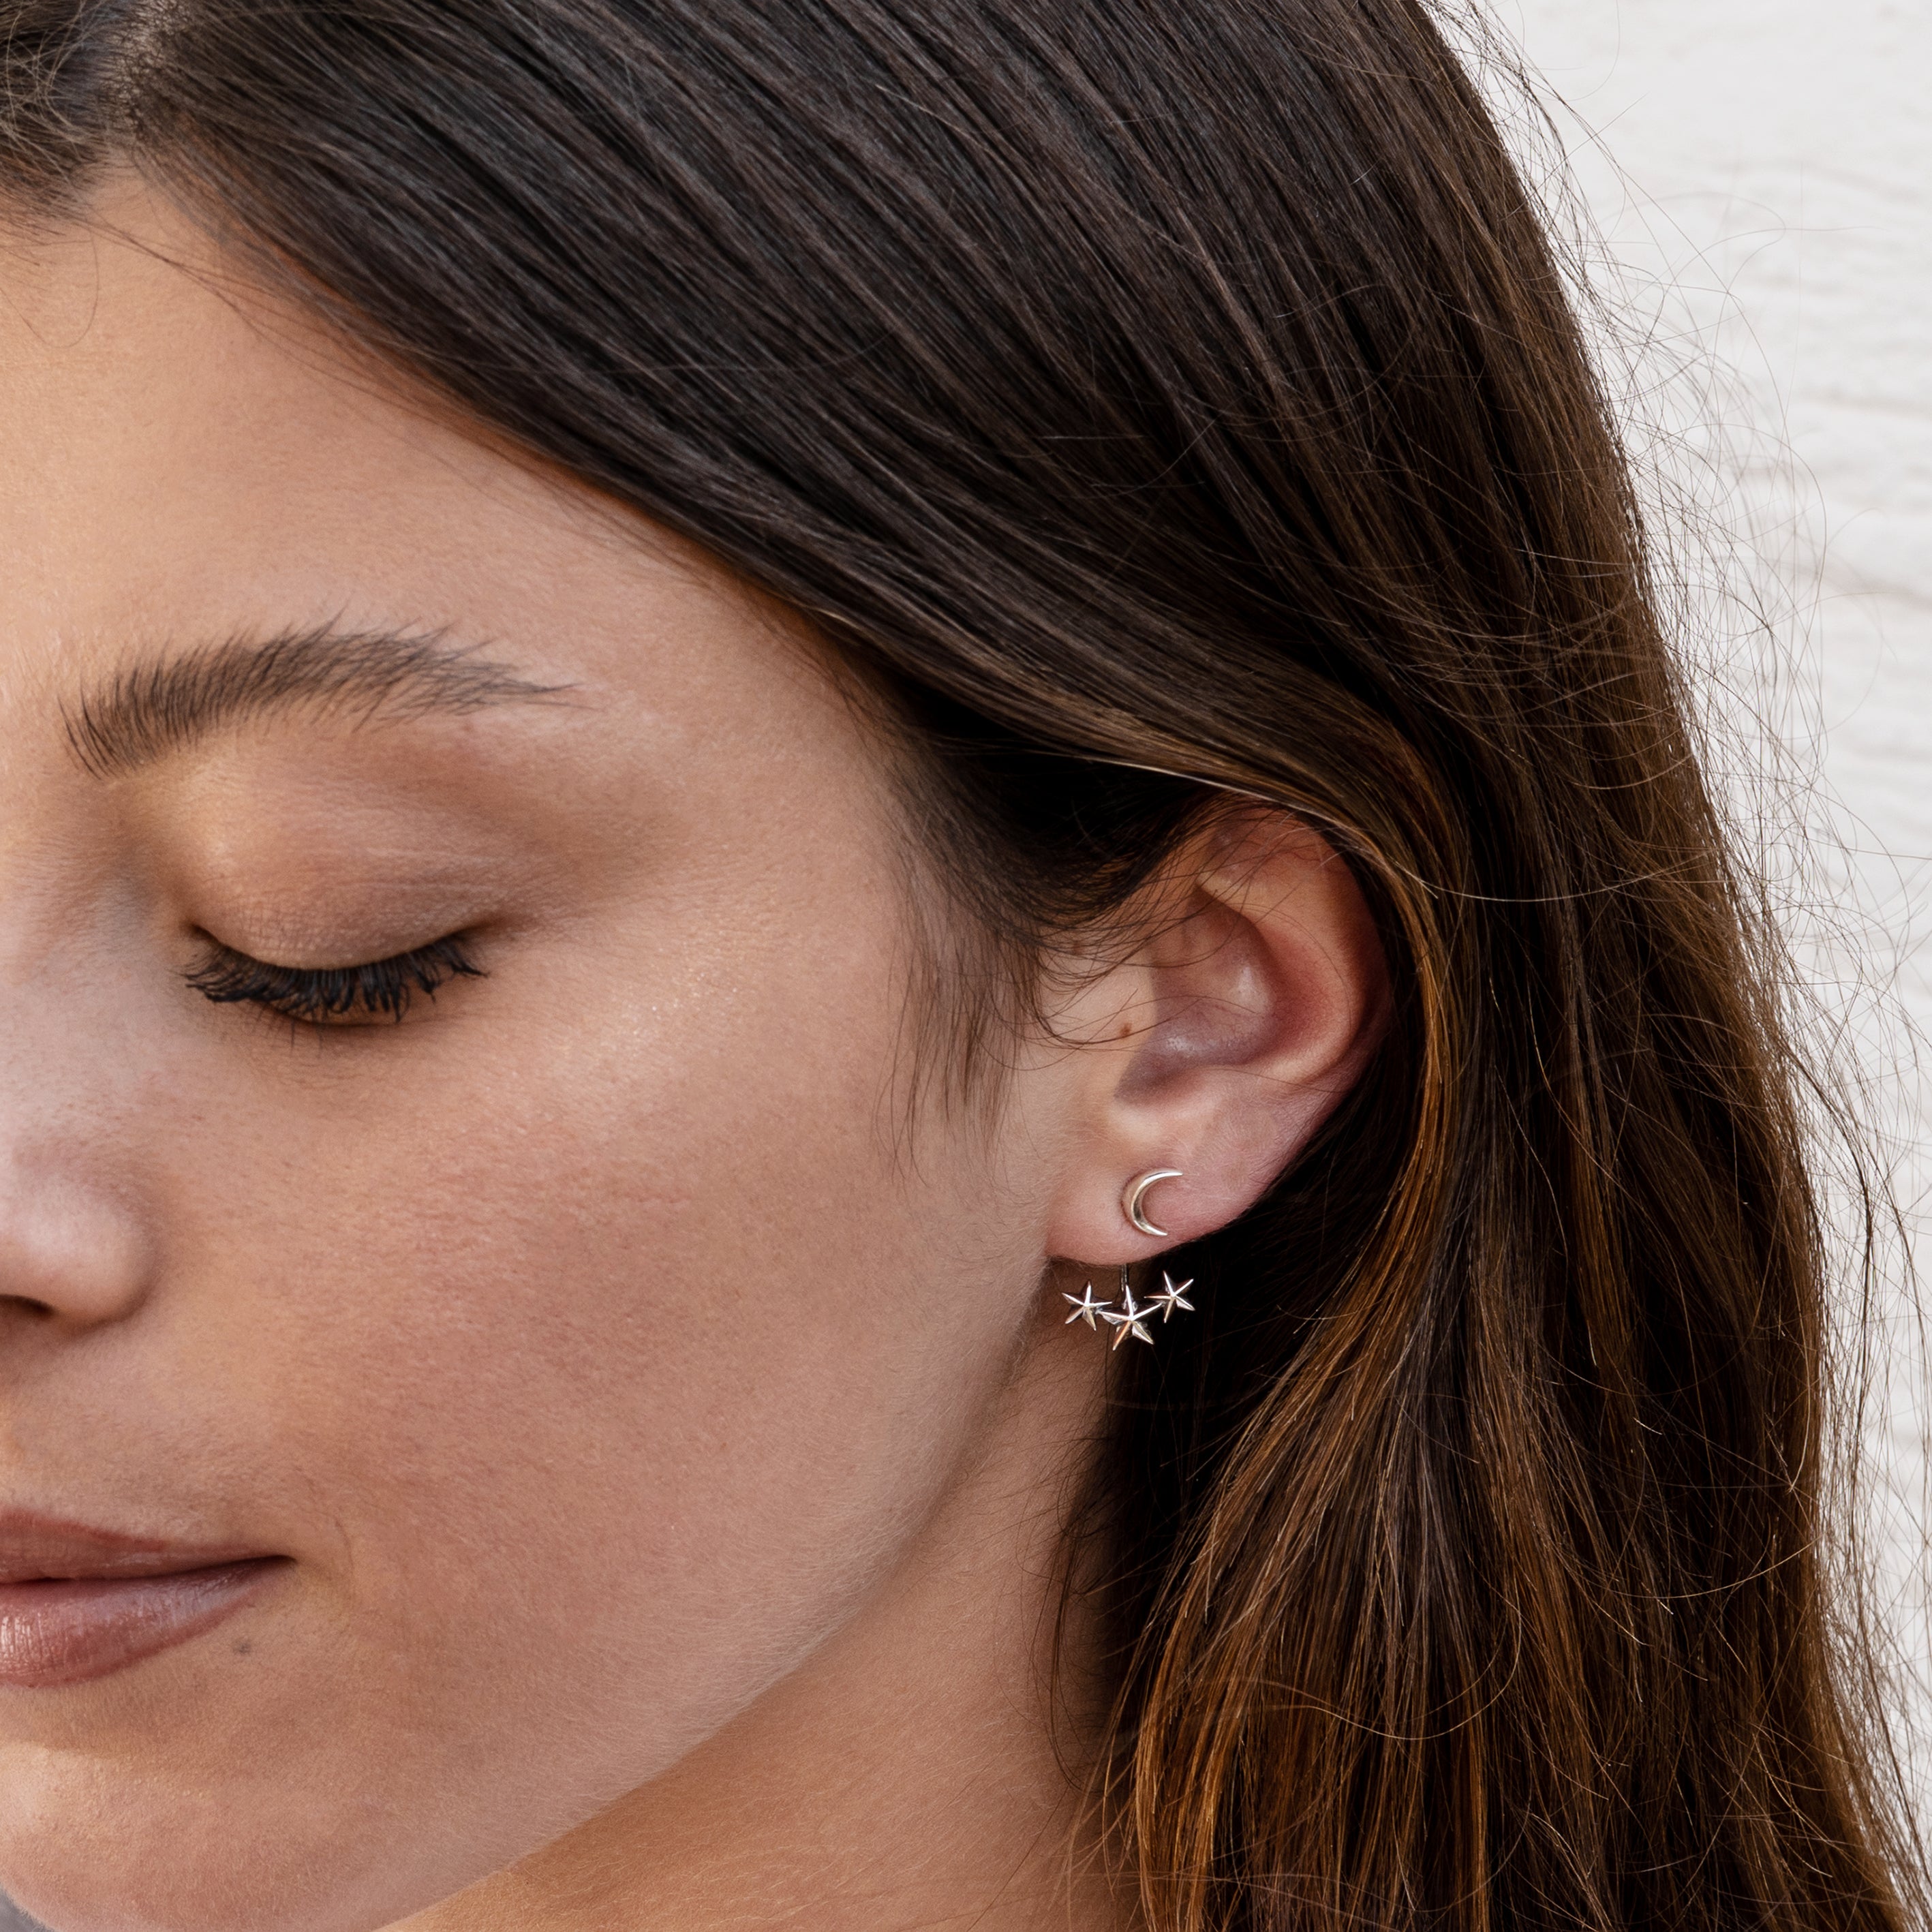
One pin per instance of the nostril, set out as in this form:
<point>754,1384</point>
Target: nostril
<point>70,1251</point>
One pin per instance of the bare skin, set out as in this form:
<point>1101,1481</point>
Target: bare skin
<point>666,1458</point>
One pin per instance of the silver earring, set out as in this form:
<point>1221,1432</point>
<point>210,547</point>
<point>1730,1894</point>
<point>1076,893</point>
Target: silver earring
<point>1131,1316</point>
<point>1134,1194</point>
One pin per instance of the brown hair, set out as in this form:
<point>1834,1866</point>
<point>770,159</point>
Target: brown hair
<point>1164,397</point>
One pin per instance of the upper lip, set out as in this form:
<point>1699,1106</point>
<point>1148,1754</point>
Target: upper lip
<point>38,1548</point>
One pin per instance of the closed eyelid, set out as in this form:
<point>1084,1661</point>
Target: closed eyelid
<point>374,989</point>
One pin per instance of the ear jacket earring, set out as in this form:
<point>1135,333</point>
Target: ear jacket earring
<point>1131,1317</point>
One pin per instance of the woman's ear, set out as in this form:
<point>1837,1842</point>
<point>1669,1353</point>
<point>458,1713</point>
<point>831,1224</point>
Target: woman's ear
<point>1223,1046</point>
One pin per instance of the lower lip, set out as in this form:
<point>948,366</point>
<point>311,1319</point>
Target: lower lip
<point>58,1630</point>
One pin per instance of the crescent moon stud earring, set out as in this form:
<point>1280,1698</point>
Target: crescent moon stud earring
<point>1133,1197</point>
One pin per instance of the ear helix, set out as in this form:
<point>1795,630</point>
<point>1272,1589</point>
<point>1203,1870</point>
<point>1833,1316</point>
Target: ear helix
<point>1131,1317</point>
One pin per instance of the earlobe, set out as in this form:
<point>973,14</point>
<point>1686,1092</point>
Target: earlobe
<point>1262,995</point>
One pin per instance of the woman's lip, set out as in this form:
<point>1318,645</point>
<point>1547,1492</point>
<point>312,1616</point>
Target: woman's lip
<point>34,1548</point>
<point>77,1602</point>
<point>66,1630</point>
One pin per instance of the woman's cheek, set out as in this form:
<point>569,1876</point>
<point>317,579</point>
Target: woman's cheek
<point>592,1383</point>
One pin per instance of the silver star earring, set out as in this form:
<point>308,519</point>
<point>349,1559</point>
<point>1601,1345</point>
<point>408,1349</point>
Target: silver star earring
<point>1172,1295</point>
<point>1131,1316</point>
<point>1085,1308</point>
<point>1128,1321</point>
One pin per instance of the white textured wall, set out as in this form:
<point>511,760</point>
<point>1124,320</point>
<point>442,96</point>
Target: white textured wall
<point>1773,158</point>
<point>1762,171</point>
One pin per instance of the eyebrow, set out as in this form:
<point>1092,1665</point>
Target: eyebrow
<point>151,710</point>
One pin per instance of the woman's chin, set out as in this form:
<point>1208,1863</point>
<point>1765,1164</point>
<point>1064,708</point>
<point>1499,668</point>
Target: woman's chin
<point>85,1851</point>
<point>81,1852</point>
<point>169,1805</point>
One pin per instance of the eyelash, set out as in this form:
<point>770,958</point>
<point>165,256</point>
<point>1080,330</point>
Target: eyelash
<point>315,996</point>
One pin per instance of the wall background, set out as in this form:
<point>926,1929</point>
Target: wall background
<point>1760,174</point>
<point>1761,171</point>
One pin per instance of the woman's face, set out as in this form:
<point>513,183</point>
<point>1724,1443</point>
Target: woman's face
<point>562,1359</point>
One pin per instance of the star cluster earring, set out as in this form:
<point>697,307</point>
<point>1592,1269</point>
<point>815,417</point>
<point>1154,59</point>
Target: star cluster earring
<point>1131,1317</point>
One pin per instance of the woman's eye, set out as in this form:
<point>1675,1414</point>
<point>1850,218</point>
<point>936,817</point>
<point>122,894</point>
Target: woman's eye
<point>379,989</point>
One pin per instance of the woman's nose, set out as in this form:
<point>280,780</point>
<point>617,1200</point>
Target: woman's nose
<point>67,1247</point>
<point>76,1242</point>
